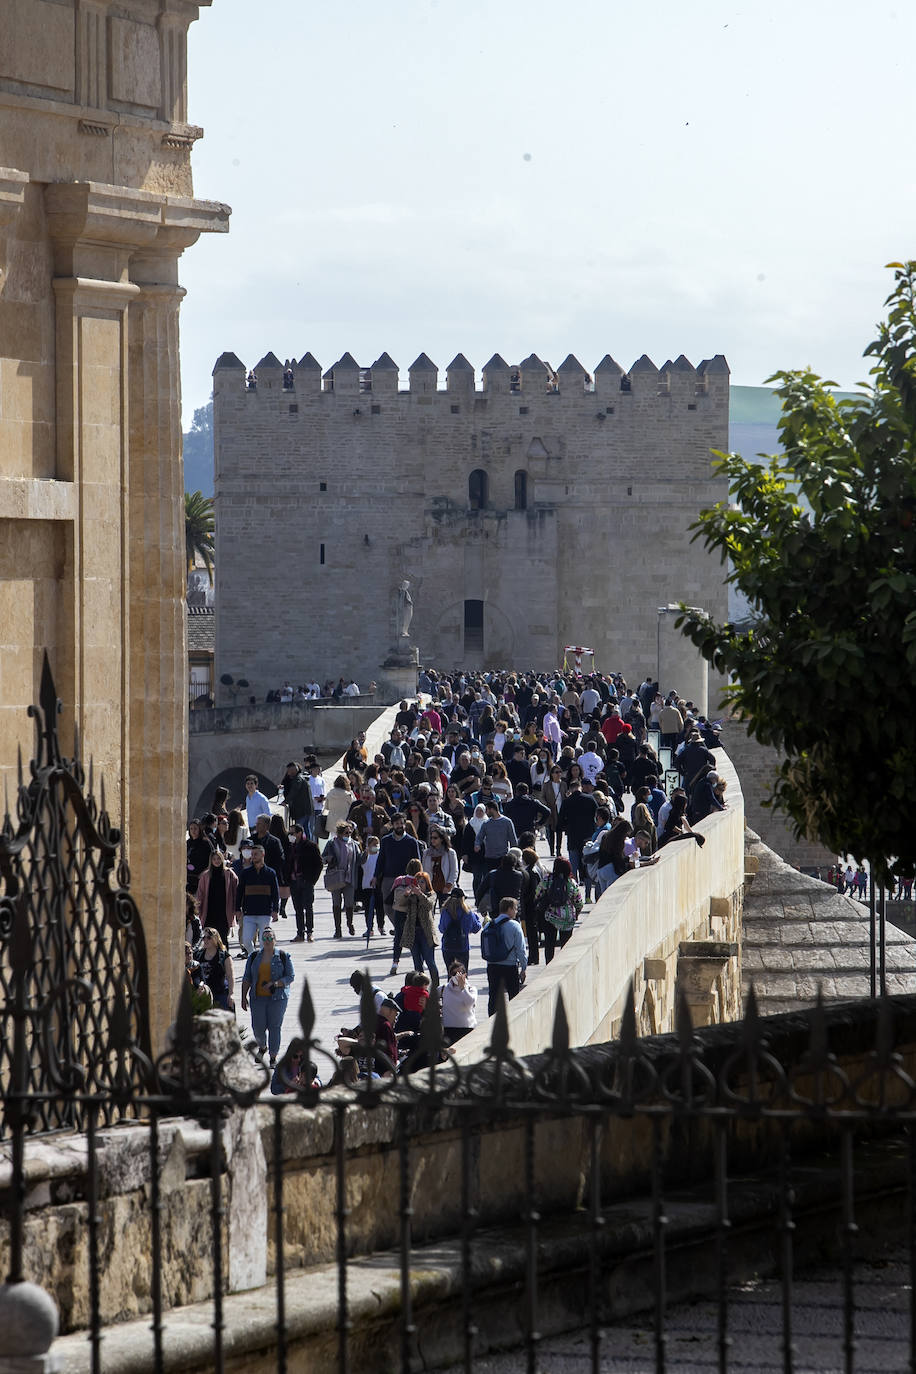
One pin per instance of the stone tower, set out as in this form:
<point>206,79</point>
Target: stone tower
<point>541,509</point>
<point>96,208</point>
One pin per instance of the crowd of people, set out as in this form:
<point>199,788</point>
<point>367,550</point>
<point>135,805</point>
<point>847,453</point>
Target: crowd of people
<point>433,842</point>
<point>315,691</point>
<point>855,881</point>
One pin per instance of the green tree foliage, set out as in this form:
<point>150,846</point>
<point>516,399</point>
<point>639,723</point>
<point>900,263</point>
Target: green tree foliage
<point>198,451</point>
<point>198,529</point>
<point>822,541</point>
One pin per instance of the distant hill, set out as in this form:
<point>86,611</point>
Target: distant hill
<point>198,452</point>
<point>753,416</point>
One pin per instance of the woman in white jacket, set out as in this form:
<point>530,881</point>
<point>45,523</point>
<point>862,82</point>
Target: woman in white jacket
<point>440,862</point>
<point>459,1004</point>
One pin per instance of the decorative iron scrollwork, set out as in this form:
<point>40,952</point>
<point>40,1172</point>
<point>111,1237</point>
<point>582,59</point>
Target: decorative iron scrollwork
<point>74,1005</point>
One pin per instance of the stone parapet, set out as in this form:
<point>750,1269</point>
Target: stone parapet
<point>639,931</point>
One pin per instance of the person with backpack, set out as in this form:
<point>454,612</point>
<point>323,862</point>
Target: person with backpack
<point>457,922</point>
<point>559,904</point>
<point>502,944</point>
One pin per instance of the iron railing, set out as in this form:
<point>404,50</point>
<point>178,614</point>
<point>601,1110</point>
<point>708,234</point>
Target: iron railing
<point>74,1013</point>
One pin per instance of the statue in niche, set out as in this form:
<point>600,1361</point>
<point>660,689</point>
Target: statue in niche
<point>404,610</point>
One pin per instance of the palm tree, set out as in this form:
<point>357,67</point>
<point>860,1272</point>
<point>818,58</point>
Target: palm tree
<point>198,529</point>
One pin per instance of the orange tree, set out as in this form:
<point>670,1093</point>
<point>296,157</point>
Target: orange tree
<point>821,539</point>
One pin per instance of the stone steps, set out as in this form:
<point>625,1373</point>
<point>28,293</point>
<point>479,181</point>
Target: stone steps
<point>497,1278</point>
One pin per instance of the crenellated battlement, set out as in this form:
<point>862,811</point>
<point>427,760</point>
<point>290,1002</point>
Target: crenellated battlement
<point>530,378</point>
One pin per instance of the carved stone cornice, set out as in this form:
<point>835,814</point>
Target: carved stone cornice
<point>86,219</point>
<point>182,136</point>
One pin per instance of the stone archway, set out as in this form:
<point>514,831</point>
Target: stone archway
<point>234,779</point>
<point>213,757</point>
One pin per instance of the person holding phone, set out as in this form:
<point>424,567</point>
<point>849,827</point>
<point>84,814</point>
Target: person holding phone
<point>459,1003</point>
<point>265,984</point>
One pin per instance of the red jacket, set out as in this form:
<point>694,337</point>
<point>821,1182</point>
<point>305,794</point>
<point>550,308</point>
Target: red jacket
<point>612,726</point>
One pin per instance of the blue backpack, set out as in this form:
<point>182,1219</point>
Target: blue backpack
<point>495,942</point>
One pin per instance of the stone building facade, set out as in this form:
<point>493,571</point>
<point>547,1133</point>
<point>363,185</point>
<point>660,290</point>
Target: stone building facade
<point>538,510</point>
<point>96,207</point>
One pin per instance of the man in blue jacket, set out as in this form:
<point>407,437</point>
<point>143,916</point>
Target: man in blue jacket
<point>257,899</point>
<point>502,944</point>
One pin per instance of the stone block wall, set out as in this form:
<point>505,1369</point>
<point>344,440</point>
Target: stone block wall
<point>757,765</point>
<point>364,484</point>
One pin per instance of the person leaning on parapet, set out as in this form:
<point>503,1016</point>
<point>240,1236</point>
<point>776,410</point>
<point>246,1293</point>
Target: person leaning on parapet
<point>703,797</point>
<point>694,759</point>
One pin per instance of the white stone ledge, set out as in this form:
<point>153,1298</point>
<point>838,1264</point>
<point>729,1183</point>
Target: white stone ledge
<point>642,914</point>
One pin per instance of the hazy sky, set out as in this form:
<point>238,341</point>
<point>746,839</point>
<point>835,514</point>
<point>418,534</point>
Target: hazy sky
<point>583,176</point>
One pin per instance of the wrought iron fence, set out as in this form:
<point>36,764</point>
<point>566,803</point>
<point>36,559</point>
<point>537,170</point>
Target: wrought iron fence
<point>674,1085</point>
<point>76,1055</point>
<point>74,1013</point>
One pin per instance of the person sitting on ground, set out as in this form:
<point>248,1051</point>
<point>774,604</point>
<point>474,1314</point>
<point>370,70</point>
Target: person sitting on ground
<point>293,1074</point>
<point>412,1000</point>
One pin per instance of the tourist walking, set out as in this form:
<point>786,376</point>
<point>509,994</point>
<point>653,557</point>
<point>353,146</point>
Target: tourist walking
<point>257,900</point>
<point>559,904</point>
<point>215,966</point>
<point>341,857</point>
<point>217,889</point>
<point>440,863</point>
<point>304,872</point>
<point>265,985</point>
<point>457,923</point>
<point>199,849</point>
<point>502,944</point>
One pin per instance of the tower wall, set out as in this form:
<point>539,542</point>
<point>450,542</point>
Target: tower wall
<point>381,481</point>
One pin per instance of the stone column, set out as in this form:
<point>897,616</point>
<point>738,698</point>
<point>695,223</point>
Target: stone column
<point>157,763</point>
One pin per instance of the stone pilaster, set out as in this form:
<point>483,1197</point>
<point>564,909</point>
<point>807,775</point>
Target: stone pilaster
<point>91,358</point>
<point>92,53</point>
<point>119,443</point>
